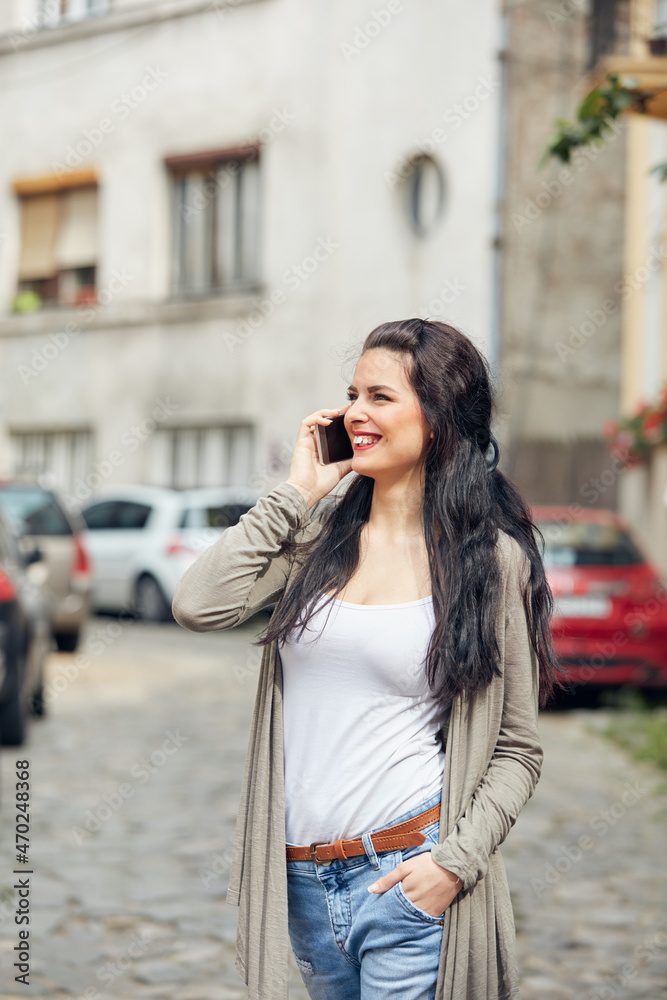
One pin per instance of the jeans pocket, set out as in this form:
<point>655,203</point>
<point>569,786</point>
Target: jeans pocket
<point>413,909</point>
<point>431,833</point>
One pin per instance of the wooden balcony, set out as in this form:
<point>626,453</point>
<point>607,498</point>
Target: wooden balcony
<point>622,43</point>
<point>646,75</point>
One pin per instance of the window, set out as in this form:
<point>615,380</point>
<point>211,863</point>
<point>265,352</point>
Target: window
<point>11,557</point>
<point>58,258</point>
<point>424,193</point>
<point>223,516</point>
<point>658,29</point>
<point>100,516</point>
<point>602,30</point>
<point>131,515</point>
<point>33,511</point>
<point>51,13</point>
<point>609,28</point>
<point>67,455</point>
<point>215,221</point>
<point>587,544</point>
<point>119,515</point>
<point>190,457</point>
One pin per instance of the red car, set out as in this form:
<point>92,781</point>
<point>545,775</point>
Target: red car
<point>610,619</point>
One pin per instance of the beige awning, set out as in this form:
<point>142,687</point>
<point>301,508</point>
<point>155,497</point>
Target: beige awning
<point>77,241</point>
<point>40,217</point>
<point>47,183</point>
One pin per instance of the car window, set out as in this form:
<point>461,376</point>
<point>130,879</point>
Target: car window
<point>34,511</point>
<point>586,544</point>
<point>116,514</point>
<point>100,515</point>
<point>222,516</point>
<point>131,515</point>
<point>10,554</point>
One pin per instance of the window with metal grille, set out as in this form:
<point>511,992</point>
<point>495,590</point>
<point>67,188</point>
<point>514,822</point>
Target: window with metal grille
<point>608,29</point>
<point>191,457</point>
<point>64,455</point>
<point>51,13</point>
<point>216,217</point>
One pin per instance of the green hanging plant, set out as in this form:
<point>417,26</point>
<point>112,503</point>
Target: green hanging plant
<point>597,109</point>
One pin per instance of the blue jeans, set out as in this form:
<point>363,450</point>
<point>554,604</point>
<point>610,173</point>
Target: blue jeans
<point>351,944</point>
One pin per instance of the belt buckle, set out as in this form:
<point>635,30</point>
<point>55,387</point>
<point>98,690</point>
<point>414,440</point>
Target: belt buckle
<point>313,854</point>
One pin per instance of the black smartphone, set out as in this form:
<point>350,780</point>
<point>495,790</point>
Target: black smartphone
<point>333,441</point>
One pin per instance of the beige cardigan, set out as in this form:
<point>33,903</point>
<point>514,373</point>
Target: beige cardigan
<point>492,764</point>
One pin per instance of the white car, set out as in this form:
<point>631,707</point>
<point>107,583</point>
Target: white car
<point>141,540</point>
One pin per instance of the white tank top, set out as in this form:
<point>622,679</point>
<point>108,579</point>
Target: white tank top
<point>359,720</point>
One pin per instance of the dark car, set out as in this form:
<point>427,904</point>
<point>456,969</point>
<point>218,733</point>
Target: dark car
<point>610,620</point>
<point>25,638</point>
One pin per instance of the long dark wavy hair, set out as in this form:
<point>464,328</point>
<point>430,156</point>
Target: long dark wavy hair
<point>463,508</point>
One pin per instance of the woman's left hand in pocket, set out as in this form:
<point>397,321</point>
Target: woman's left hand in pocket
<point>426,884</point>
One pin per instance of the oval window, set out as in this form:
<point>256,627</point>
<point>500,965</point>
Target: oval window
<point>424,192</point>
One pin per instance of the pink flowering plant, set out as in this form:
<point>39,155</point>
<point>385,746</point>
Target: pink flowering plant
<point>632,438</point>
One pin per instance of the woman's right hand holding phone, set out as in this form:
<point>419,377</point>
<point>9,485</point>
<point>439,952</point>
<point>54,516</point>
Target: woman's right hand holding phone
<point>313,480</point>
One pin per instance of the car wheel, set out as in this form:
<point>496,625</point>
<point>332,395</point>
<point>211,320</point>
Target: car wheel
<point>12,720</point>
<point>67,641</point>
<point>150,603</point>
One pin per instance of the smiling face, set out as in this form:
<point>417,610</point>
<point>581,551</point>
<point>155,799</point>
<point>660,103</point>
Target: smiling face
<point>384,406</point>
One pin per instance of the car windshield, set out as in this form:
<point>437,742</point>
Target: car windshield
<point>587,544</point>
<point>34,511</point>
<point>223,516</point>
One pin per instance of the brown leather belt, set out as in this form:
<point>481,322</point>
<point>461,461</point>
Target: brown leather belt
<point>406,834</point>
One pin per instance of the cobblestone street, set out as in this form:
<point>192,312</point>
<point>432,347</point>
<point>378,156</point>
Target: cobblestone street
<point>136,774</point>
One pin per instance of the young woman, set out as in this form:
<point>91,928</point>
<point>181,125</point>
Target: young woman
<point>394,739</point>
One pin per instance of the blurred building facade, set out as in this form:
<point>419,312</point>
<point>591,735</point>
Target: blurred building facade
<point>205,207</point>
<point>563,231</point>
<point>630,40</point>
